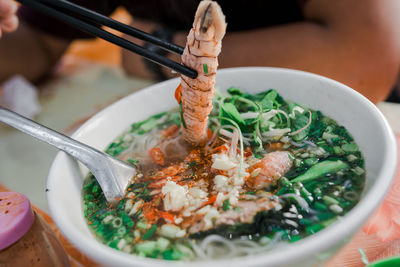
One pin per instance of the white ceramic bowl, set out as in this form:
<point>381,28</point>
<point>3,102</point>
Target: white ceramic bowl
<point>349,108</point>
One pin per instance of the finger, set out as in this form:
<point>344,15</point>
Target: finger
<point>9,24</point>
<point>7,8</point>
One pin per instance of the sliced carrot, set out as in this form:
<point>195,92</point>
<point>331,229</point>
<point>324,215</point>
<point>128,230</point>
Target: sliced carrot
<point>170,131</point>
<point>172,170</point>
<point>158,184</point>
<point>210,200</point>
<point>247,152</point>
<point>157,156</point>
<point>167,216</point>
<point>178,93</point>
<point>149,212</point>
<point>220,149</point>
<point>221,172</point>
<point>209,133</point>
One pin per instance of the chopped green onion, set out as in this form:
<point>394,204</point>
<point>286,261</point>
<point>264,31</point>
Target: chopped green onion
<point>162,243</point>
<point>181,114</point>
<point>350,147</point>
<point>150,232</point>
<point>205,68</point>
<point>146,247</point>
<point>226,205</point>
<point>330,200</point>
<point>134,162</point>
<point>172,254</point>
<point>312,229</point>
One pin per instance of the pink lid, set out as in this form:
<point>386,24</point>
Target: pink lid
<point>16,217</point>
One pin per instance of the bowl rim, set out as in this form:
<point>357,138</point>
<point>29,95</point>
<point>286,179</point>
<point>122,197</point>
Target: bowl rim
<point>335,233</point>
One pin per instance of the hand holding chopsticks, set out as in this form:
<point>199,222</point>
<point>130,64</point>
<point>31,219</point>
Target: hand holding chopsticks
<point>91,22</point>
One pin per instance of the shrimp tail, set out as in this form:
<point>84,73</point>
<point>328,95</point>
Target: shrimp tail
<point>201,51</point>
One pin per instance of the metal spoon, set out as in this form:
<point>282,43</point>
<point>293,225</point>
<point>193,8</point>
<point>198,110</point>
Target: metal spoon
<point>113,175</point>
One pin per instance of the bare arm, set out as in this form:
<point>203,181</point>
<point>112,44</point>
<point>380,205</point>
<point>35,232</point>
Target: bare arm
<point>29,52</point>
<point>356,42</point>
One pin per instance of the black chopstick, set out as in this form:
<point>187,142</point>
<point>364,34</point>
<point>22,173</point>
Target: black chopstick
<point>109,22</point>
<point>97,31</point>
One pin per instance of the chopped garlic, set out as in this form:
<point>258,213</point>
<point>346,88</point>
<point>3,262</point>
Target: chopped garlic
<point>178,220</point>
<point>220,199</point>
<point>175,196</point>
<point>204,209</point>
<point>221,183</point>
<point>223,162</point>
<point>212,214</point>
<point>196,197</point>
<point>233,198</point>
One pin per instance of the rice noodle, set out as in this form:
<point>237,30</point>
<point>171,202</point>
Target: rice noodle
<point>197,250</point>
<point>249,115</point>
<point>296,144</point>
<point>298,109</point>
<point>276,132</point>
<point>235,139</point>
<point>213,139</point>
<point>215,246</point>
<point>309,143</point>
<point>206,245</point>
<point>268,115</point>
<point>225,133</point>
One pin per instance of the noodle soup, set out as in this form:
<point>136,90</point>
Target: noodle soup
<point>271,172</point>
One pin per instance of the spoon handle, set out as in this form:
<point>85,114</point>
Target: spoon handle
<point>113,175</point>
<point>76,149</point>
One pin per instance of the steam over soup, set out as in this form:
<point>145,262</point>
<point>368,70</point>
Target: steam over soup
<point>270,172</point>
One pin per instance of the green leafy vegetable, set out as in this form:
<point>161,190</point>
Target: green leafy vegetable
<point>321,169</point>
<point>150,232</point>
<point>267,103</point>
<point>235,91</point>
<point>228,110</point>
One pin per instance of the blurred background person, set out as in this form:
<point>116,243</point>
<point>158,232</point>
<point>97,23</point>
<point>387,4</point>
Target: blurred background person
<point>356,42</point>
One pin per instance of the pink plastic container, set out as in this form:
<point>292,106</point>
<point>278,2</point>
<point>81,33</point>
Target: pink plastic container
<point>25,238</point>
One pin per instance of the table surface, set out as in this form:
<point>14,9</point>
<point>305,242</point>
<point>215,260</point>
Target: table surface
<point>66,102</point>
